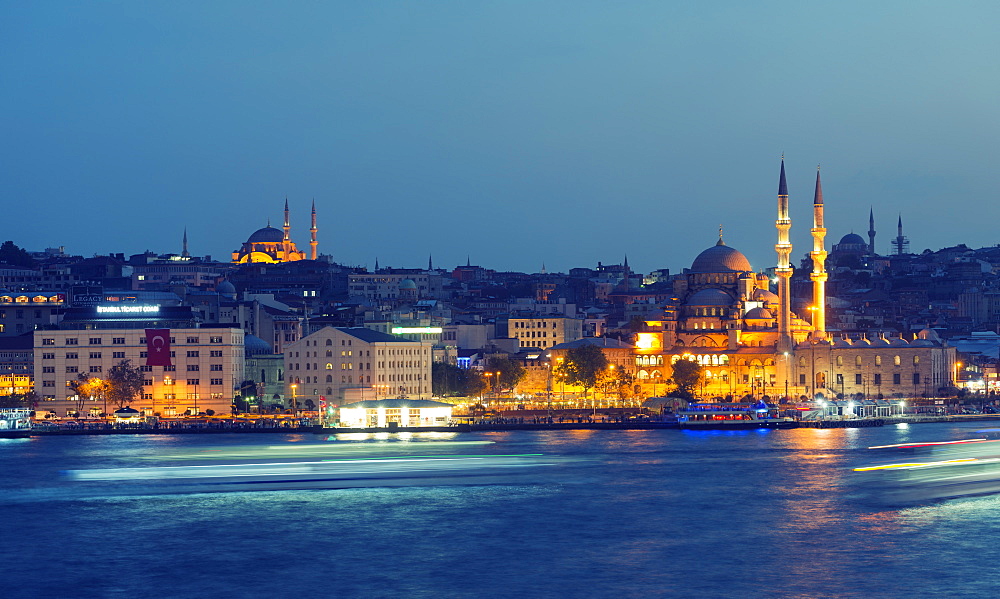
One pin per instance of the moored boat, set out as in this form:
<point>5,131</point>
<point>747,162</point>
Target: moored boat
<point>732,416</point>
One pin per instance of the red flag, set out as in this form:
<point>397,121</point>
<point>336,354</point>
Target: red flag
<point>158,347</point>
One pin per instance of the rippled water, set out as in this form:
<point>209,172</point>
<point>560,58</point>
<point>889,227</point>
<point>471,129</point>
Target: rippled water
<point>644,514</point>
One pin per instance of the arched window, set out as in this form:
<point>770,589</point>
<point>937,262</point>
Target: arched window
<point>895,360</point>
<point>329,378</point>
<point>329,341</point>
<point>916,360</point>
<point>857,361</point>
<point>329,353</point>
<point>878,360</point>
<point>802,361</point>
<point>840,360</point>
<point>329,366</point>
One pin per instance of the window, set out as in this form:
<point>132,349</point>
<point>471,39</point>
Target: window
<point>215,339</point>
<point>215,353</point>
<point>216,381</point>
<point>857,379</point>
<point>878,379</point>
<point>95,369</point>
<point>840,379</point>
<point>170,368</point>
<point>95,355</point>
<point>193,340</point>
<point>168,381</point>
<point>72,356</point>
<point>48,341</point>
<point>48,369</point>
<point>895,379</point>
<point>192,368</point>
<point>878,360</point>
<point>48,383</point>
<point>840,360</point>
<point>145,368</point>
<point>916,360</point>
<point>193,354</point>
<point>117,354</point>
<point>857,361</point>
<point>215,367</point>
<point>147,382</point>
<point>95,340</point>
<point>72,369</point>
<point>118,340</point>
<point>147,396</point>
<point>895,360</point>
<point>72,341</point>
<point>802,379</point>
<point>194,381</point>
<point>48,356</point>
<point>916,378</point>
<point>143,354</point>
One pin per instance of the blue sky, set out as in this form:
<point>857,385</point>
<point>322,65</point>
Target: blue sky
<point>512,132</point>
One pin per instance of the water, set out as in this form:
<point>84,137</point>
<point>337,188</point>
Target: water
<point>644,514</point>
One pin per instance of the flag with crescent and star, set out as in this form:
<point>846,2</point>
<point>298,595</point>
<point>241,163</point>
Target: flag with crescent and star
<point>158,347</point>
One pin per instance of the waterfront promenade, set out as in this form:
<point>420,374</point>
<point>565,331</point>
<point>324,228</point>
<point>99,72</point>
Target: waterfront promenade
<point>486,425</point>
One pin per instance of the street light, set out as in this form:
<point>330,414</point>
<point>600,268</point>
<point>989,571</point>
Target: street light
<point>294,387</point>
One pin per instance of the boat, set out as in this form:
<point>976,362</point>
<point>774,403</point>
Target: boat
<point>913,473</point>
<point>727,416</point>
<point>15,423</point>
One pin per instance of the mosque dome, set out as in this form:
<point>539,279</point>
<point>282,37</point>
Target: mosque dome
<point>710,297</point>
<point>407,284</point>
<point>759,314</point>
<point>852,239</point>
<point>721,258</point>
<point>255,346</point>
<point>763,295</point>
<point>266,235</point>
<point>225,288</point>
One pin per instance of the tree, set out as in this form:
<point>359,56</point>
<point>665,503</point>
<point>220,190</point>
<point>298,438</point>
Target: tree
<point>686,376</point>
<point>85,387</point>
<point>511,372</point>
<point>19,400</point>
<point>583,366</point>
<point>124,383</point>
<point>15,256</point>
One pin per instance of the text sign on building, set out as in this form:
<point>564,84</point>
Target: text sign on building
<point>128,309</point>
<point>410,330</point>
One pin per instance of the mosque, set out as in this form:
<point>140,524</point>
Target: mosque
<point>272,245</point>
<point>749,342</point>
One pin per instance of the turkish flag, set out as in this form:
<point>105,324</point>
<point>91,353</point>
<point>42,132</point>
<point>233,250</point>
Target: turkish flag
<point>158,347</point>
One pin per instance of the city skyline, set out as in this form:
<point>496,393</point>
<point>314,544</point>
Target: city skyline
<point>515,134</point>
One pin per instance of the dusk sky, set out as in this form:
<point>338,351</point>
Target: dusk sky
<point>515,133</point>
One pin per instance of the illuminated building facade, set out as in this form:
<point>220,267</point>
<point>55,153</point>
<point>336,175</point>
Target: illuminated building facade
<point>341,365</point>
<point>23,312</point>
<point>208,364</point>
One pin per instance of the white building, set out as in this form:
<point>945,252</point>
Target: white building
<point>395,412</point>
<point>338,364</point>
<point>208,364</point>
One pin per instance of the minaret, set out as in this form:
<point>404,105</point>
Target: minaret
<point>818,254</point>
<point>871,231</point>
<point>286,240</point>
<point>430,262</point>
<point>901,242</point>
<point>784,268</point>
<point>184,251</point>
<point>312,233</point>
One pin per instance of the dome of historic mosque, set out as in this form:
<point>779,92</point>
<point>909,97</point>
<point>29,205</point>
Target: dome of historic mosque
<point>407,284</point>
<point>225,288</point>
<point>721,258</point>
<point>852,239</point>
<point>710,297</point>
<point>255,346</point>
<point>266,235</point>
<point>759,314</point>
<point>763,295</point>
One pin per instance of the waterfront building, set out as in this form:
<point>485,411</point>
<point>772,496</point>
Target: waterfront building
<point>339,365</point>
<point>384,413</point>
<point>207,365</point>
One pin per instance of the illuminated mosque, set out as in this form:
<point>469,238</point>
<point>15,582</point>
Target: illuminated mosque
<point>748,341</point>
<point>273,245</point>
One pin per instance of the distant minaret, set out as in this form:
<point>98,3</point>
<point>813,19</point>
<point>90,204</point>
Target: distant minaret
<point>430,262</point>
<point>784,268</point>
<point>376,263</point>
<point>312,233</point>
<point>184,251</point>
<point>871,231</point>
<point>286,240</point>
<point>901,242</point>
<point>818,254</point>
<point>627,272</point>
<point>543,269</point>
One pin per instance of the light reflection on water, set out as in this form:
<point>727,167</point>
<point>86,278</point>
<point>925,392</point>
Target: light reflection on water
<point>645,513</point>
